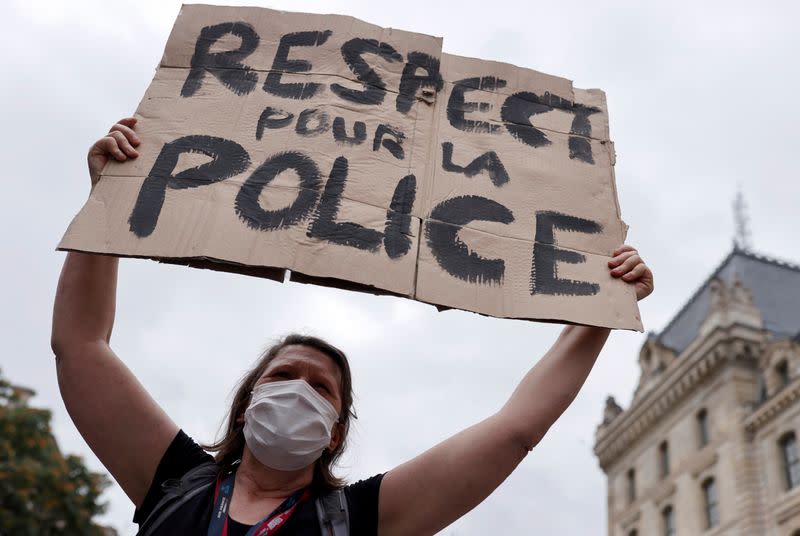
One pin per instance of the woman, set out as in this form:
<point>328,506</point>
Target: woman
<point>290,418</point>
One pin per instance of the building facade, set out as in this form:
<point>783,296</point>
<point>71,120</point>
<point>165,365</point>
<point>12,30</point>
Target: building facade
<point>709,444</point>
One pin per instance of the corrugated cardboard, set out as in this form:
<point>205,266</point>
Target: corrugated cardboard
<point>330,147</point>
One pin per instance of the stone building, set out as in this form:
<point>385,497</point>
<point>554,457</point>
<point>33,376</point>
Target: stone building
<point>709,444</point>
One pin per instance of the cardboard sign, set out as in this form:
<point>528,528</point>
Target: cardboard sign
<point>362,157</point>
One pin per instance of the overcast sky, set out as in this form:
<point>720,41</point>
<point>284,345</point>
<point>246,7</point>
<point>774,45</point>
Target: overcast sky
<point>702,99</point>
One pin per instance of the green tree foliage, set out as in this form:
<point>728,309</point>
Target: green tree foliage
<point>42,492</point>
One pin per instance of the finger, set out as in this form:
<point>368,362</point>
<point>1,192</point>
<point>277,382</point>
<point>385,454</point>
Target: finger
<point>123,143</point>
<point>623,248</point>
<point>637,272</point>
<point>128,121</point>
<point>108,145</point>
<point>627,266</point>
<point>619,259</point>
<point>128,132</point>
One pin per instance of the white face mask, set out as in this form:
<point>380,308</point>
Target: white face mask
<point>288,424</point>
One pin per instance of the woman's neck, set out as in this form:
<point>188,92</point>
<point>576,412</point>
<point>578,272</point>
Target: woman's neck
<point>258,481</point>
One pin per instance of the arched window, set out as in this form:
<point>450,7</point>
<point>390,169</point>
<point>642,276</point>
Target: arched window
<point>791,462</point>
<point>712,503</point>
<point>782,372</point>
<point>668,521</point>
<point>663,456</point>
<point>631,485</point>
<point>702,428</point>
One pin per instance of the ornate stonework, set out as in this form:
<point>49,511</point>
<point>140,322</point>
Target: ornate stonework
<point>709,421</point>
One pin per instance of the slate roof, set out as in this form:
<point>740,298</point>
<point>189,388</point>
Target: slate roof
<point>775,286</point>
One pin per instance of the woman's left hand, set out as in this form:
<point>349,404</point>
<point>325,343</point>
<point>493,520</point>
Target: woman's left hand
<point>628,265</point>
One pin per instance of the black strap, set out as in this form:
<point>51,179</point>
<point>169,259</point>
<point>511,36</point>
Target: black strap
<point>332,511</point>
<point>178,492</point>
<point>333,515</point>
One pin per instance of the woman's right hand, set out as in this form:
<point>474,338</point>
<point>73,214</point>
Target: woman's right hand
<point>118,143</point>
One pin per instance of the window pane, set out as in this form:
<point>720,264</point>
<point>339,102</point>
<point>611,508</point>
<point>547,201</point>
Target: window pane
<point>712,508</point>
<point>702,424</point>
<point>664,455</point>
<point>783,373</point>
<point>790,461</point>
<point>713,517</point>
<point>631,485</point>
<point>669,522</point>
<point>711,491</point>
<point>794,474</point>
<point>791,449</point>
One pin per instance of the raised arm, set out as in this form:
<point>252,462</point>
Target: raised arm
<point>434,489</point>
<point>116,416</point>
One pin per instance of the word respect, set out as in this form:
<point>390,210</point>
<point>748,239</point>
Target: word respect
<point>420,75</point>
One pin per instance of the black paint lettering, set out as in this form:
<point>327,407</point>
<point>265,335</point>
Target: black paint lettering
<point>520,107</point>
<point>397,233</point>
<point>374,86</point>
<point>226,66</point>
<point>248,207</point>
<point>340,132</point>
<point>411,82</point>
<point>580,146</point>
<point>516,114</point>
<point>272,118</point>
<point>228,159</point>
<point>394,146</point>
<point>282,64</point>
<point>453,255</point>
<point>546,255</point>
<point>488,162</point>
<point>457,107</point>
<point>325,227</point>
<point>312,114</point>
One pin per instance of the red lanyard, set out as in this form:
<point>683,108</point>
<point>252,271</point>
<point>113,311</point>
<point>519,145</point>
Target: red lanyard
<point>266,527</point>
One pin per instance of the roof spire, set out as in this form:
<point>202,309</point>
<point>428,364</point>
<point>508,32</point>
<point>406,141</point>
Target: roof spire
<point>741,219</point>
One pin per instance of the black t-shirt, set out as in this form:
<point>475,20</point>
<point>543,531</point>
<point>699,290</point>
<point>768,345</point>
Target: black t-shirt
<point>193,517</point>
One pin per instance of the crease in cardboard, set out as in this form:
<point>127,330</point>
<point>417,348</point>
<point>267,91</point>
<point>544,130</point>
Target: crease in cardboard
<point>562,108</point>
<point>281,187</point>
<point>387,89</point>
<point>535,126</point>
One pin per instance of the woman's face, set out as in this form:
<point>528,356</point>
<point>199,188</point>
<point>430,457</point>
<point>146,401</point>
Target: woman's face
<point>299,362</point>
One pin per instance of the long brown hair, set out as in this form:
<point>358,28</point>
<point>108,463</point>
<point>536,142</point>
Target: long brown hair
<point>228,450</point>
